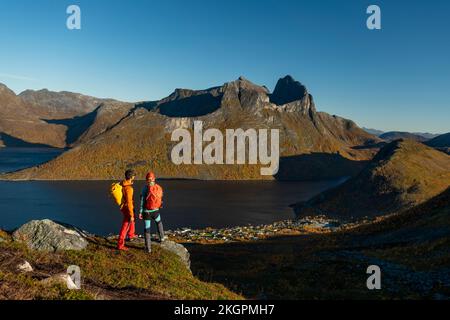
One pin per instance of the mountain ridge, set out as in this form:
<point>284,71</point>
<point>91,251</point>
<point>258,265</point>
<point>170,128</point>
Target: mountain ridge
<point>404,173</point>
<point>236,104</point>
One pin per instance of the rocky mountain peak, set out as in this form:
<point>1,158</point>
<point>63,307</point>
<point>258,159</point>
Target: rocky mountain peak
<point>288,90</point>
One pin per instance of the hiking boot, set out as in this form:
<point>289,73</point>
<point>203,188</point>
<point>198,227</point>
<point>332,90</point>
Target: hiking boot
<point>148,241</point>
<point>161,235</point>
<point>133,238</point>
<point>163,239</point>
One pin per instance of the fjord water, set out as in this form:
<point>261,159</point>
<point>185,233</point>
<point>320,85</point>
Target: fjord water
<point>187,203</point>
<point>13,159</point>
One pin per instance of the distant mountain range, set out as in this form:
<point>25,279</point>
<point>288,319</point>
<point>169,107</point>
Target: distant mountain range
<point>55,119</point>
<point>109,136</point>
<point>393,135</point>
<point>403,174</point>
<point>441,142</point>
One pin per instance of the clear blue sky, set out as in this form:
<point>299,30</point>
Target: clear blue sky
<point>394,79</point>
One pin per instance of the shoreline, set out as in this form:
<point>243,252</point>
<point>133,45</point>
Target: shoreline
<point>248,233</point>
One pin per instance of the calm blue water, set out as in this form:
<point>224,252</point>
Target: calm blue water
<point>192,204</point>
<point>13,159</point>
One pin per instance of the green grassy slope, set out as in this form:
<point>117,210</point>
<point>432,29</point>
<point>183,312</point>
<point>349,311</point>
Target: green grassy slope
<point>106,274</point>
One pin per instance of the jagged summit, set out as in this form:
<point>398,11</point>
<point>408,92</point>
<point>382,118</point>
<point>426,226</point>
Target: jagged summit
<point>288,90</point>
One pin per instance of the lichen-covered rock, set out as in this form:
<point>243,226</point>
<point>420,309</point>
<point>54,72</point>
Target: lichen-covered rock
<point>47,235</point>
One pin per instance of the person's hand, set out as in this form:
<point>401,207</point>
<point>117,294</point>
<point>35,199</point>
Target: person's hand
<point>140,216</point>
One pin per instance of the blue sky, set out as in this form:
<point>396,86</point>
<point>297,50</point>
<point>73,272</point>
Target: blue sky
<point>397,78</point>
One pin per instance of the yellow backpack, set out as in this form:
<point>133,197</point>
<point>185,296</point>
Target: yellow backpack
<point>117,193</point>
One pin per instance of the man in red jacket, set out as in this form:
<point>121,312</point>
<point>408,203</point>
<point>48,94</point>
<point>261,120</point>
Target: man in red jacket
<point>127,209</point>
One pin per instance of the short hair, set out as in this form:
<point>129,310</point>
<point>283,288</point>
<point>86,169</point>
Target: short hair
<point>130,173</point>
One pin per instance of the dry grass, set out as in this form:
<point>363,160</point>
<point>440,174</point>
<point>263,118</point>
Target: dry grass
<point>404,173</point>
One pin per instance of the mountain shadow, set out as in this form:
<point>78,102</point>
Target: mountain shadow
<point>317,166</point>
<point>371,145</point>
<point>10,141</point>
<point>441,141</point>
<point>148,105</point>
<point>193,106</point>
<point>76,126</point>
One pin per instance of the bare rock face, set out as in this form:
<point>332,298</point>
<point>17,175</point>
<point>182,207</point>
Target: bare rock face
<point>47,235</point>
<point>288,90</point>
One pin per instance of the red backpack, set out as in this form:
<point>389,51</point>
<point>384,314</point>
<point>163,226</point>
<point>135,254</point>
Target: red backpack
<point>154,197</point>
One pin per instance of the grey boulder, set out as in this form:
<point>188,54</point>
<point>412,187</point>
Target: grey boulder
<point>47,235</point>
<point>178,249</point>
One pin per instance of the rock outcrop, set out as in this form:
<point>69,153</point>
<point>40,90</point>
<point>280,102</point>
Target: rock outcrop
<point>47,235</point>
<point>287,90</point>
<point>178,249</point>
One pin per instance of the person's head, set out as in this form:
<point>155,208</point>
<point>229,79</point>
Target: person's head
<point>130,175</point>
<point>150,178</point>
